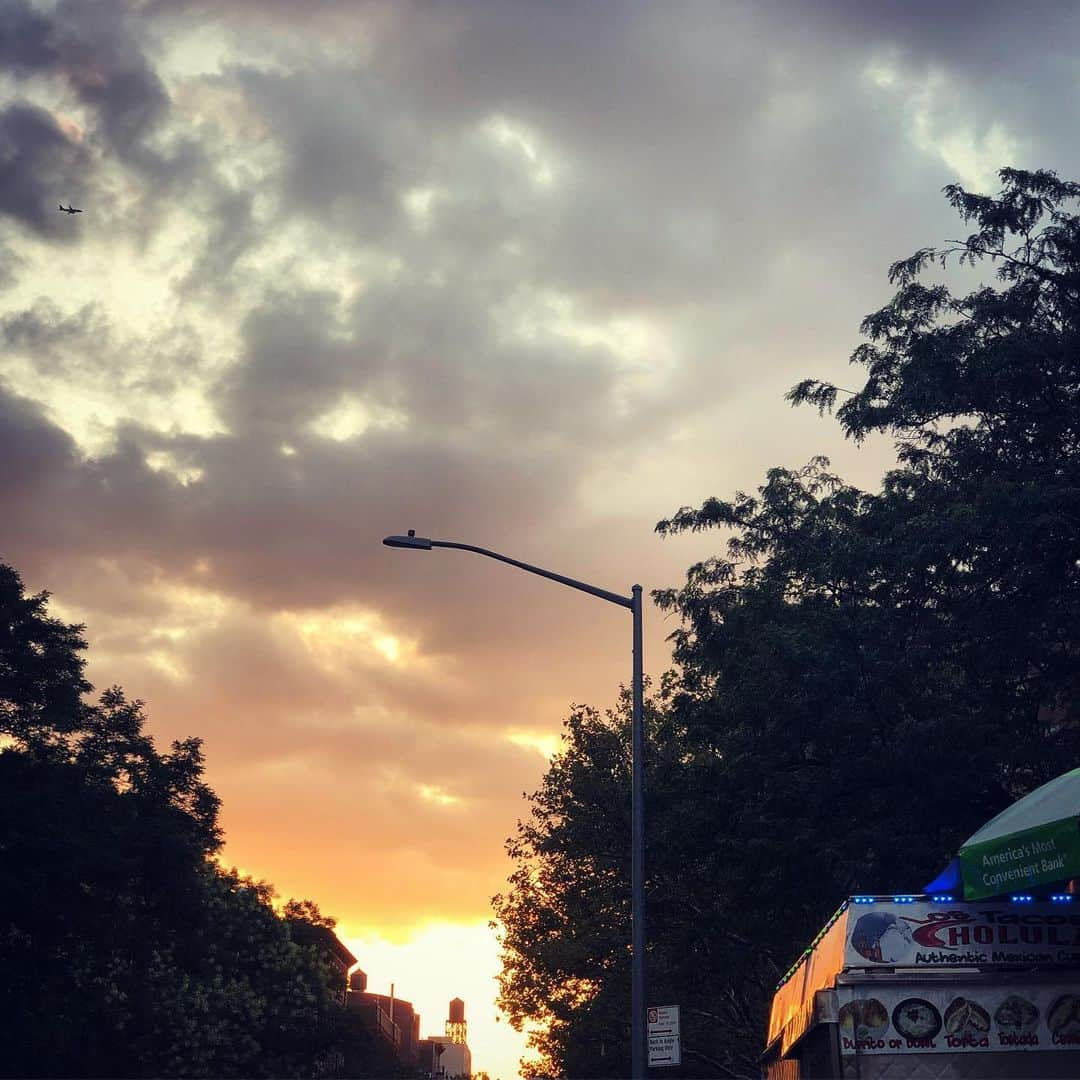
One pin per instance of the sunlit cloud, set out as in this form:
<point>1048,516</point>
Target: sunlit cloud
<point>434,793</point>
<point>417,202</point>
<point>164,461</point>
<point>547,745</point>
<point>515,136</point>
<point>939,125</point>
<point>351,418</point>
<point>336,639</point>
<point>166,663</point>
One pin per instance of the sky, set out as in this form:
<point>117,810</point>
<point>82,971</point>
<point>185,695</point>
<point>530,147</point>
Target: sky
<point>524,275</point>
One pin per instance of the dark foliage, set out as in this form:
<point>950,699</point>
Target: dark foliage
<point>126,949</point>
<point>565,920</point>
<point>863,678</point>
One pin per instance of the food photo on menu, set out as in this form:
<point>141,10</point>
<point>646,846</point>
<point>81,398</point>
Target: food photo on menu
<point>916,1019</point>
<point>1016,1016</point>
<point>1063,1019</point>
<point>965,1018</point>
<point>863,1018</point>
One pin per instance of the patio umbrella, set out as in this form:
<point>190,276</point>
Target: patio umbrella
<point>1034,842</point>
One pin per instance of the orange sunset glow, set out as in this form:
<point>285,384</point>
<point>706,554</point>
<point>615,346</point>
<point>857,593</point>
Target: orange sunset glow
<point>524,276</point>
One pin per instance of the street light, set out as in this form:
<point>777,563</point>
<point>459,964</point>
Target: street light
<point>637,844</point>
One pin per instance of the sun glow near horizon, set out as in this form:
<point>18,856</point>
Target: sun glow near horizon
<point>432,963</point>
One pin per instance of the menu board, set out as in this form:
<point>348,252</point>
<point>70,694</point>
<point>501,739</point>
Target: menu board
<point>973,1018</point>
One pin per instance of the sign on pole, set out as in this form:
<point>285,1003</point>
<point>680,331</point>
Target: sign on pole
<point>664,1045</point>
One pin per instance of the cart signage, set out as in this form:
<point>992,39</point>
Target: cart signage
<point>1021,860</point>
<point>958,1019</point>
<point>929,935</point>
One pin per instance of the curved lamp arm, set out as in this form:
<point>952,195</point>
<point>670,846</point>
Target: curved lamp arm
<point>424,544</point>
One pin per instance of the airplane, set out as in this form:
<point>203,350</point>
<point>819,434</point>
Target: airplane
<point>69,209</point>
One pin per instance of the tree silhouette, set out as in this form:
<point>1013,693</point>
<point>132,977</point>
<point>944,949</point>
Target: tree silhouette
<point>860,681</point>
<point>126,949</point>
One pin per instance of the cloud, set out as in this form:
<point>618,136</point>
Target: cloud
<point>48,337</point>
<point>39,165</point>
<point>107,142</point>
<point>522,275</point>
<point>95,48</point>
<point>28,38</point>
<point>233,232</point>
<point>34,451</point>
<point>341,155</point>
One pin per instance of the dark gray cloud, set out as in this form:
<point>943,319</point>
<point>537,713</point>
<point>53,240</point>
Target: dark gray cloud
<point>47,337</point>
<point>232,233</point>
<point>95,48</point>
<point>294,365</point>
<point>341,154</point>
<point>28,38</point>
<point>100,56</point>
<point>977,35</point>
<point>636,229</point>
<point>34,451</point>
<point>40,165</point>
<point>255,512</point>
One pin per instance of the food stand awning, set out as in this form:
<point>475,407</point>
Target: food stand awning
<point>1035,842</point>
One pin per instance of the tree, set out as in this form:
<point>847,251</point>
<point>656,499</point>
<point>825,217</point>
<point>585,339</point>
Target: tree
<point>126,949</point>
<point>41,667</point>
<point>982,393</point>
<point>564,922</point>
<point>881,673</point>
<point>864,677</point>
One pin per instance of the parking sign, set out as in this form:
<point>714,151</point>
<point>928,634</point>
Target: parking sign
<point>664,1044</point>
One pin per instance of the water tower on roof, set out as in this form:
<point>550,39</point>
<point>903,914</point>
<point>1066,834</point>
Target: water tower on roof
<point>455,1024</point>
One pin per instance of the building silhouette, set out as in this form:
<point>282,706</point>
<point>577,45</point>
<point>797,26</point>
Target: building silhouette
<point>389,1018</point>
<point>448,1056</point>
<point>393,1027</point>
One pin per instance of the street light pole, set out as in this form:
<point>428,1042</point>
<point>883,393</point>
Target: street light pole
<point>637,744</point>
<point>637,858</point>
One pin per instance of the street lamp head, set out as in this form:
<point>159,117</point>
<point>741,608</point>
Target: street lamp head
<point>410,541</point>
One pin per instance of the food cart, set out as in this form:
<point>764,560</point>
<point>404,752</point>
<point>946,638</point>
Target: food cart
<point>930,986</point>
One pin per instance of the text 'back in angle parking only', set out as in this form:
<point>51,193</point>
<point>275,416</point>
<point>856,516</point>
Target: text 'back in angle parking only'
<point>664,1044</point>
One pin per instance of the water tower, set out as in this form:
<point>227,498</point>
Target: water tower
<point>455,1025</point>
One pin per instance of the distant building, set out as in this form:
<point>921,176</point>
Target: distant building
<point>448,1055</point>
<point>456,1028</point>
<point>389,1018</point>
<point>430,1057</point>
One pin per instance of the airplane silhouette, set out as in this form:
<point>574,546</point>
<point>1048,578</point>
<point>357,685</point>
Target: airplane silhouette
<point>69,209</point>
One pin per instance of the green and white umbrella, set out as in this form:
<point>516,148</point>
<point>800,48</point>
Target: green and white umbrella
<point>1034,842</point>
